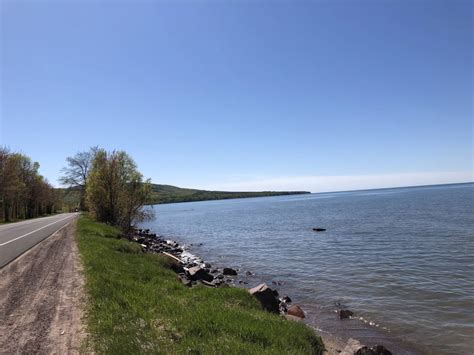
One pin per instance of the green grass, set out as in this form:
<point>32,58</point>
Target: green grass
<point>136,305</point>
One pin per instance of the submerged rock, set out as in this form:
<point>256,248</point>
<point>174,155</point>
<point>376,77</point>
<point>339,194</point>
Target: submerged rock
<point>375,350</point>
<point>229,271</point>
<point>345,313</point>
<point>268,298</point>
<point>381,350</point>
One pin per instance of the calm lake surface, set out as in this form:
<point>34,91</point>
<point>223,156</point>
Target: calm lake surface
<point>401,259</point>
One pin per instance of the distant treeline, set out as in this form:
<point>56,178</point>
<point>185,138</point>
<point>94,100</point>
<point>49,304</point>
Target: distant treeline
<point>24,193</point>
<point>107,184</point>
<point>172,194</point>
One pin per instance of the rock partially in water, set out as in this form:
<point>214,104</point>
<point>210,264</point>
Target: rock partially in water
<point>248,273</point>
<point>229,271</point>
<point>319,229</point>
<point>296,311</point>
<point>293,318</point>
<point>345,313</point>
<point>268,298</point>
<point>375,350</point>
<point>364,351</point>
<point>381,350</point>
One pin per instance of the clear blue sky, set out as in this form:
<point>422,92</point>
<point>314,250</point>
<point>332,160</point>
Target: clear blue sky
<point>317,95</point>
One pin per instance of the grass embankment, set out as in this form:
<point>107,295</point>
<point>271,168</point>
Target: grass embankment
<point>136,305</point>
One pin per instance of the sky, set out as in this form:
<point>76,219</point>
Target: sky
<point>245,95</point>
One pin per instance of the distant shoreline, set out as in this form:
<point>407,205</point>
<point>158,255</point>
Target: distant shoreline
<point>164,194</point>
<point>394,188</point>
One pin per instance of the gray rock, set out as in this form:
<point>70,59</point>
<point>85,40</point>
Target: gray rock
<point>184,280</point>
<point>197,273</point>
<point>381,350</point>
<point>268,298</point>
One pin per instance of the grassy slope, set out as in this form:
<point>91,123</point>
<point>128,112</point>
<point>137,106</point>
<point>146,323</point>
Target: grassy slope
<point>169,194</point>
<point>136,305</point>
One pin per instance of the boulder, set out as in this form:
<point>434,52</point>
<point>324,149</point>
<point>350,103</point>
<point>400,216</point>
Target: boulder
<point>208,284</point>
<point>184,280</point>
<point>296,311</point>
<point>375,350</point>
<point>197,273</point>
<point>345,313</point>
<point>364,351</point>
<point>351,346</point>
<point>293,318</point>
<point>267,297</point>
<point>229,272</point>
<point>381,350</point>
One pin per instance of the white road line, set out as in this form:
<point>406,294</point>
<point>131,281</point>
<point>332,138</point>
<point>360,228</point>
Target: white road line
<point>24,235</point>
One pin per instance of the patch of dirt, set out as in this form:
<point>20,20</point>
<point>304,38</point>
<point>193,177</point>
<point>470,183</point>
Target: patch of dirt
<point>42,299</point>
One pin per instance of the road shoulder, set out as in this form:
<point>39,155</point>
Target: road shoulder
<point>42,298</point>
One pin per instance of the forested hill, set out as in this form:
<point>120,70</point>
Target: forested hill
<point>171,194</point>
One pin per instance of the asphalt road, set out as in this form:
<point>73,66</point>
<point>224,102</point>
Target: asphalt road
<point>16,238</point>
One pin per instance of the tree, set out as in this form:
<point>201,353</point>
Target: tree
<point>77,171</point>
<point>24,193</point>
<point>115,190</point>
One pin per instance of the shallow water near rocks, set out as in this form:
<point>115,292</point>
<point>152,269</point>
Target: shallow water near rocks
<point>400,259</point>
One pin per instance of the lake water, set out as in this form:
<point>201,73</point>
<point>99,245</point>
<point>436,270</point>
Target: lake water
<point>401,259</point>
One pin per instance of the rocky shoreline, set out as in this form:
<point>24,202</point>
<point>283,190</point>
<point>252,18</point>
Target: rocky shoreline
<point>192,270</point>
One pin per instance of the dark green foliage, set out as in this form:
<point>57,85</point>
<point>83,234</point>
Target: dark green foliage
<point>172,194</point>
<point>24,193</point>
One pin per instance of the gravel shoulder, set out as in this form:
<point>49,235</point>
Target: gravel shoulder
<point>41,298</point>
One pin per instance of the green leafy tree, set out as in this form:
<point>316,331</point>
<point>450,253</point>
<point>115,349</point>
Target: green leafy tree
<point>115,190</point>
<point>24,193</point>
